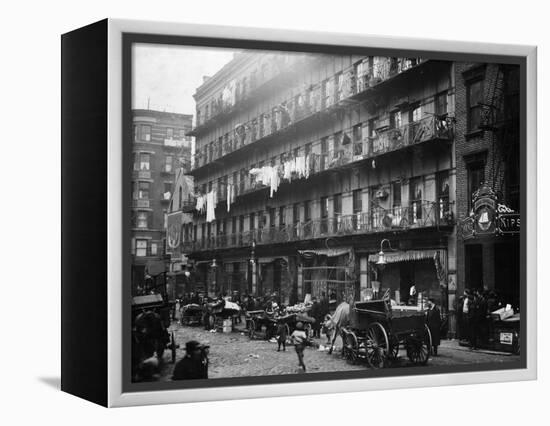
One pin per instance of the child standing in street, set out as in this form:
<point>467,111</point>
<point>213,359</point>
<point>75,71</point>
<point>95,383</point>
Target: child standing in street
<point>299,338</point>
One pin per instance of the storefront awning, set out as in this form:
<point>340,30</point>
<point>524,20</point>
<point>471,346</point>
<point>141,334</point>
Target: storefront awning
<point>405,256</point>
<point>271,259</point>
<point>325,252</point>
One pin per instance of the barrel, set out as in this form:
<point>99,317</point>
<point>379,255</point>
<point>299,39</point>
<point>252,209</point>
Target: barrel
<point>227,325</point>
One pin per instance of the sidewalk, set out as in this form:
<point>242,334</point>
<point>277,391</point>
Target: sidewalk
<point>454,344</point>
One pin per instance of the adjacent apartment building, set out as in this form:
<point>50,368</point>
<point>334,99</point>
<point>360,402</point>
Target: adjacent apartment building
<point>488,178</point>
<point>307,165</point>
<point>160,148</point>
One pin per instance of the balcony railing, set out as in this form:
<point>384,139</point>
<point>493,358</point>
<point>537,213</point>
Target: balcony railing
<point>304,106</point>
<point>418,215</point>
<point>383,142</point>
<point>220,108</point>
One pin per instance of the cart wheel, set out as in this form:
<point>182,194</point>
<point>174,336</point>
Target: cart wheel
<point>251,328</point>
<point>394,347</point>
<point>173,346</point>
<point>377,345</point>
<point>419,346</point>
<point>350,347</point>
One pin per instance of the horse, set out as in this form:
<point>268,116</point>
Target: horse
<point>339,320</point>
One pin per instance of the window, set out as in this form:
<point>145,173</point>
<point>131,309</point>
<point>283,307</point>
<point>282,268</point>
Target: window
<point>308,226</point>
<point>324,149</point>
<point>143,190</point>
<point>296,213</point>
<point>154,249</point>
<point>144,161</point>
<point>476,176</point>
<point>169,161</point>
<point>440,104</point>
<point>144,133</point>
<point>136,133</point>
<point>328,90</point>
<point>397,211</point>
<point>141,248</point>
<point>337,211</point>
<point>395,119</point>
<point>234,225</point>
<point>181,133</point>
<point>396,194</point>
<point>169,133</point>
<point>241,223</point>
<point>272,217</point>
<point>415,199</point>
<point>357,140</point>
<point>324,215</point>
<point>357,208</point>
<point>251,221</point>
<point>416,114</point>
<point>339,86</point>
<point>141,220</point>
<point>164,218</point>
<point>443,194</point>
<point>307,211</point>
<point>168,187</point>
<point>474,98</point>
<point>282,219</point>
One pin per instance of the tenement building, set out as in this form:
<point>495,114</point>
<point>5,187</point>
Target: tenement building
<point>488,179</point>
<point>307,166</point>
<point>160,148</point>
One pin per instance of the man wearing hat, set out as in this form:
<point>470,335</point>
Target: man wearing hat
<point>194,365</point>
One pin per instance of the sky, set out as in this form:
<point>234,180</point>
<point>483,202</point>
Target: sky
<point>168,76</point>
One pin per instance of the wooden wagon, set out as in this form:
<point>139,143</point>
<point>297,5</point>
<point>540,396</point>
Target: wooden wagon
<point>377,330</point>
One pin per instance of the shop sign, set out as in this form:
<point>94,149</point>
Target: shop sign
<point>488,217</point>
<point>509,223</point>
<point>506,338</point>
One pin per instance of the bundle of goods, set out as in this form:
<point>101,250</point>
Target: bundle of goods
<point>298,308</point>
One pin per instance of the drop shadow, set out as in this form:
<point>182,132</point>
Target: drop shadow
<point>54,382</point>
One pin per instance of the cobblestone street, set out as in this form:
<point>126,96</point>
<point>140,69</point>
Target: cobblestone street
<point>235,355</point>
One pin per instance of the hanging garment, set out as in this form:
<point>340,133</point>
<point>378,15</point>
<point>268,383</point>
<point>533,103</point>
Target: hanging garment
<point>274,184</point>
<point>201,200</point>
<point>228,196</point>
<point>210,206</point>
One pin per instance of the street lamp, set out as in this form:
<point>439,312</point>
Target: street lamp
<point>381,263</point>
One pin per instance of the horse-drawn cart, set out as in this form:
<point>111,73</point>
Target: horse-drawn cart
<point>191,314</point>
<point>261,322</point>
<point>377,330</point>
<point>150,335</point>
<point>214,313</point>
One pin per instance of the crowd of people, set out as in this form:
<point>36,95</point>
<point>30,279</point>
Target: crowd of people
<point>474,315</point>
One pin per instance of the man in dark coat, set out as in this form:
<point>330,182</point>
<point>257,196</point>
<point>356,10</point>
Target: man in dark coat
<point>194,365</point>
<point>433,320</point>
<point>318,316</point>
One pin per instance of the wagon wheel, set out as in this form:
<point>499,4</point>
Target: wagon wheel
<point>251,328</point>
<point>350,347</point>
<point>173,346</point>
<point>394,347</point>
<point>377,345</point>
<point>419,346</point>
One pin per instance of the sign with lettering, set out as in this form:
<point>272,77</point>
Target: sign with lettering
<point>488,217</point>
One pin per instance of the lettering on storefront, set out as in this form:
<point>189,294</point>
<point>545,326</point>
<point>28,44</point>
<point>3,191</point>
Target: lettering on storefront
<point>488,217</point>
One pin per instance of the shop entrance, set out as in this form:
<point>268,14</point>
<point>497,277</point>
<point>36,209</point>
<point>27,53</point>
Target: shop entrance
<point>474,266</point>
